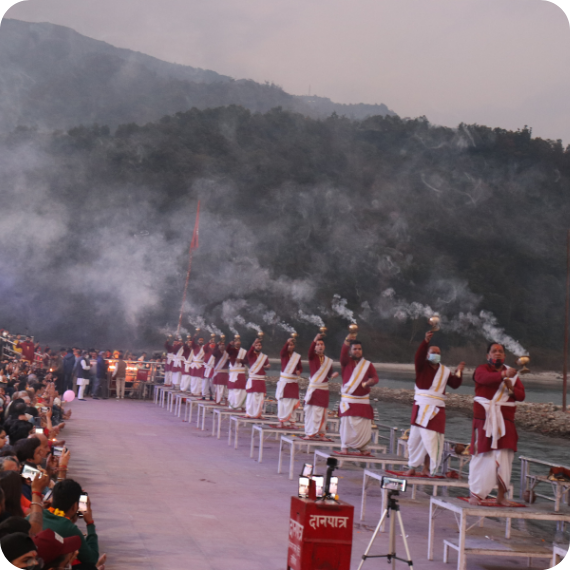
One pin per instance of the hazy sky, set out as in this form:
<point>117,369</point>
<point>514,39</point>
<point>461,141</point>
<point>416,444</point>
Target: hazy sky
<point>496,62</point>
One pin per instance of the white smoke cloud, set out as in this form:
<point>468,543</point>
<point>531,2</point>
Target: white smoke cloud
<point>312,319</point>
<point>339,307</point>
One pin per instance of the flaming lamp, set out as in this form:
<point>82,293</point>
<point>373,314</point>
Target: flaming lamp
<point>323,331</point>
<point>237,337</point>
<point>294,335</point>
<point>213,336</point>
<point>260,335</point>
<point>523,361</point>
<point>353,328</point>
<point>434,322</point>
<point>222,337</point>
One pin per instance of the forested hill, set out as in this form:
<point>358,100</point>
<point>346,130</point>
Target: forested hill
<point>51,77</point>
<point>383,212</point>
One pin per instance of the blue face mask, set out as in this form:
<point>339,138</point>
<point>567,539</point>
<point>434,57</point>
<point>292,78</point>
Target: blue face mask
<point>434,358</point>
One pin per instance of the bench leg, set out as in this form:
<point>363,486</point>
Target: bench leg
<point>445,553</point>
<point>280,456</point>
<point>292,461</point>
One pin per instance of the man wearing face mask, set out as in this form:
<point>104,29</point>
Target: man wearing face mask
<point>494,439</point>
<point>427,432</point>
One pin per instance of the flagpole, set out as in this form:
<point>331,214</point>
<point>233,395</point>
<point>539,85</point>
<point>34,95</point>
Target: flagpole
<point>193,246</point>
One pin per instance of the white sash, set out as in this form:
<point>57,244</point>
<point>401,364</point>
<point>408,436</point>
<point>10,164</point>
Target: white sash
<point>169,357</point>
<point>178,357</point>
<point>356,378</point>
<point>188,361</point>
<point>319,380</point>
<point>221,363</point>
<point>494,422</point>
<point>429,401</point>
<point>197,359</point>
<point>238,367</point>
<point>256,371</point>
<point>288,375</point>
<point>209,366</point>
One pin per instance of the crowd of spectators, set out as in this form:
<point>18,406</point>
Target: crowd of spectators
<point>86,372</point>
<point>46,518</point>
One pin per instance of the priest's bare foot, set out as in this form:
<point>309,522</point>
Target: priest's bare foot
<point>410,472</point>
<point>474,501</point>
<point>425,473</point>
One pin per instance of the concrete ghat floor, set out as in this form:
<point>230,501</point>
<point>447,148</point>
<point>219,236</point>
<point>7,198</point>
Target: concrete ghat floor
<point>168,496</point>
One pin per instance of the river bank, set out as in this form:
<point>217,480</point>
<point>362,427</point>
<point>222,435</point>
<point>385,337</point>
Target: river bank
<point>545,419</point>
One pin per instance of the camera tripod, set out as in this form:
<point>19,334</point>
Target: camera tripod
<point>391,556</point>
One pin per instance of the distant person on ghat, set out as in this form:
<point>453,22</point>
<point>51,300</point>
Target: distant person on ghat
<point>237,381</point>
<point>427,433</point>
<point>355,412</point>
<point>317,396</point>
<point>494,437</point>
<point>287,393</point>
<point>255,386</point>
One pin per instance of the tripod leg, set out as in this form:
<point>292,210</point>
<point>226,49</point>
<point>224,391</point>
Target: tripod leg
<point>374,535</point>
<point>405,539</point>
<point>392,540</point>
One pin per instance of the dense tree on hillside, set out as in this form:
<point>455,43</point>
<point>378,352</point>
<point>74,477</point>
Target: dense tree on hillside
<point>295,210</point>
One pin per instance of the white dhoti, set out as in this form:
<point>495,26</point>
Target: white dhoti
<point>206,383</point>
<point>424,442</point>
<point>185,382</point>
<point>355,432</point>
<point>176,378</point>
<point>195,385</point>
<point>286,408</point>
<point>315,420</point>
<point>486,470</point>
<point>254,404</point>
<point>236,398</point>
<point>220,392</point>
<point>82,383</point>
<point>168,378</point>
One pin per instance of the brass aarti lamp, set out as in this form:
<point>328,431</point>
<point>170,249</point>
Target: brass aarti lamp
<point>353,329</point>
<point>434,321</point>
<point>323,331</point>
<point>260,335</point>
<point>523,361</point>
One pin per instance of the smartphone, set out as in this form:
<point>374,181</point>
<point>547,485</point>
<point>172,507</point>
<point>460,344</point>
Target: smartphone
<point>333,489</point>
<point>307,470</point>
<point>83,503</point>
<point>29,472</point>
<point>303,487</point>
<point>44,410</point>
<point>319,482</point>
<point>48,495</point>
<point>57,451</point>
<point>39,430</point>
<point>393,484</point>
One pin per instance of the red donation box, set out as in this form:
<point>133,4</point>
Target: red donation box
<point>320,535</point>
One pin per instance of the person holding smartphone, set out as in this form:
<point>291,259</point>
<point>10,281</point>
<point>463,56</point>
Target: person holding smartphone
<point>64,513</point>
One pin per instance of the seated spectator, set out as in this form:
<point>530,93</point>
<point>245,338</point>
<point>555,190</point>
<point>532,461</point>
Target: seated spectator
<point>3,435</point>
<point>55,551</point>
<point>14,524</point>
<point>62,516</point>
<point>11,485</point>
<point>20,550</point>
<point>29,451</point>
<point>16,411</point>
<point>21,429</point>
<point>9,463</point>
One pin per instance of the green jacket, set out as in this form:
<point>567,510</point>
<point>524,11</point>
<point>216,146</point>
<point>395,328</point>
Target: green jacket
<point>89,551</point>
